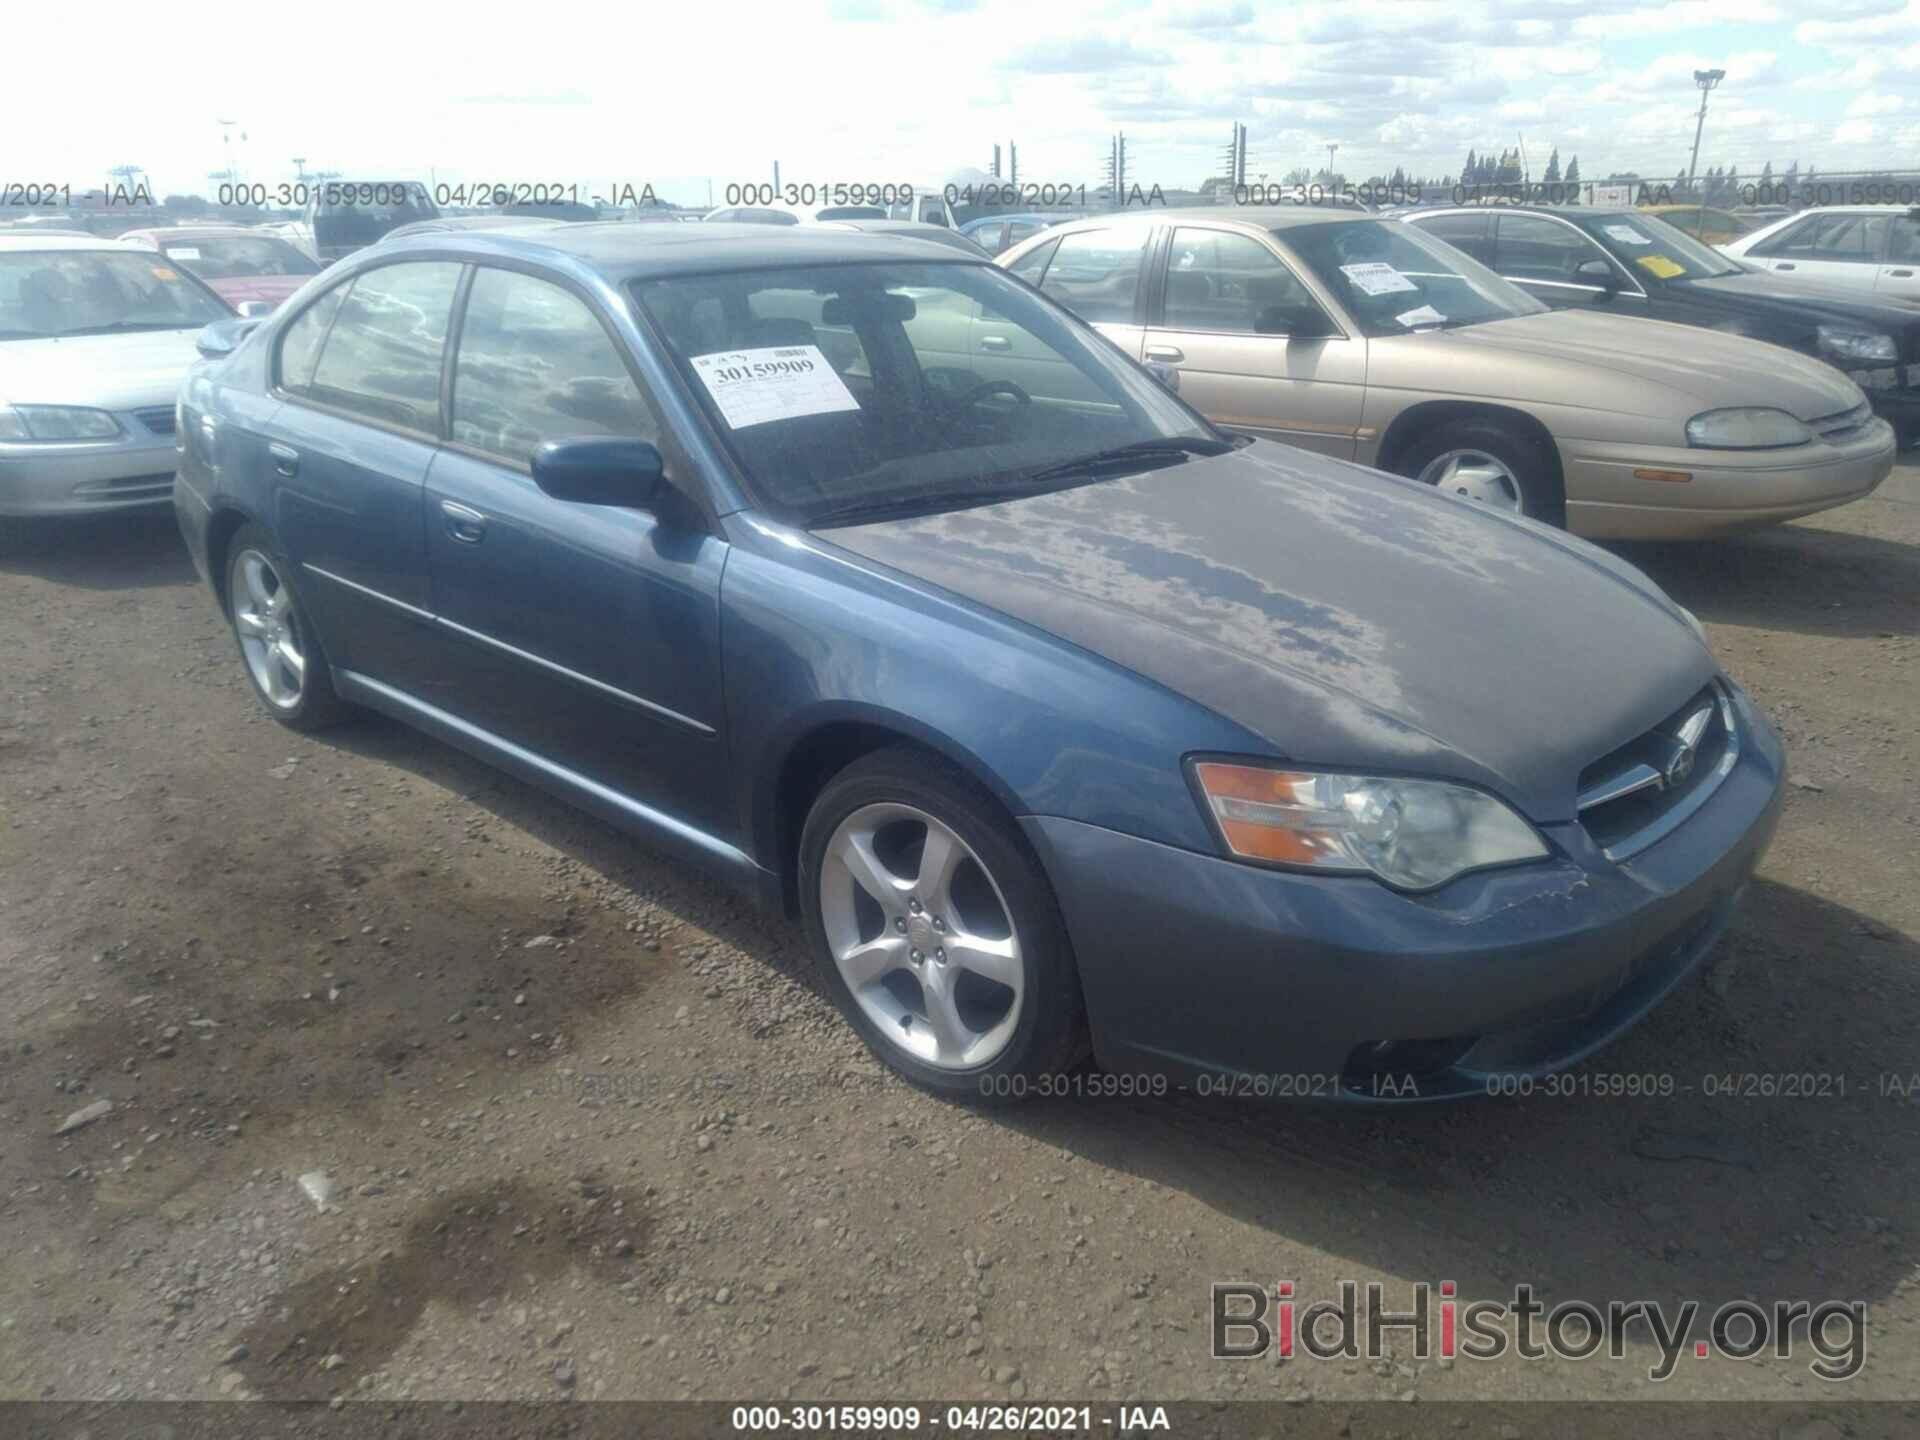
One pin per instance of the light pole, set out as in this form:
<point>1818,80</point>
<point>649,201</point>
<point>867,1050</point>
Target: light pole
<point>1330,149</point>
<point>1706,80</point>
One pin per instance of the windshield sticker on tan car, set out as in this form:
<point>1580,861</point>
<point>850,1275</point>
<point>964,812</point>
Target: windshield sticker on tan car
<point>776,382</point>
<point>1626,235</point>
<point>1660,266</point>
<point>1376,277</point>
<point>1425,315</point>
<point>182,252</point>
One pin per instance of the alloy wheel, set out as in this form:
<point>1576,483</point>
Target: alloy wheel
<point>1475,475</point>
<point>922,935</point>
<point>269,630</point>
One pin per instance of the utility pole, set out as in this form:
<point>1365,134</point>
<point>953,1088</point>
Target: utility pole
<point>1706,80</point>
<point>776,180</point>
<point>1333,146</point>
<point>300,167</point>
<point>1236,156</point>
<point>1117,168</point>
<point>1013,163</point>
<point>996,162</point>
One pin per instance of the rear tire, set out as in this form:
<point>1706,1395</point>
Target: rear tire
<point>1454,456</point>
<point>279,649</point>
<point>936,930</point>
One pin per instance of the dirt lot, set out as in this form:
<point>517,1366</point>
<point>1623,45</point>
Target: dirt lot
<point>587,1127</point>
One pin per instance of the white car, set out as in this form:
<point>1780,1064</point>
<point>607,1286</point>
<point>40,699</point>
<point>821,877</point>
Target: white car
<point>1864,247</point>
<point>928,207</point>
<point>95,338</point>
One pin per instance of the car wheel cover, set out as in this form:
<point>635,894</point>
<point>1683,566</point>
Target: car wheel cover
<point>921,933</point>
<point>269,630</point>
<point>1475,475</point>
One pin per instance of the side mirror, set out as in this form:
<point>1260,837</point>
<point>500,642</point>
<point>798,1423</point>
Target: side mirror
<point>1165,374</point>
<point>1599,272</point>
<point>254,309</point>
<point>223,337</point>
<point>595,470</point>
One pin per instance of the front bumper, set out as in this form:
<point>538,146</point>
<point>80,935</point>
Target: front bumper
<point>86,478</point>
<point>1213,971</point>
<point>1729,490</point>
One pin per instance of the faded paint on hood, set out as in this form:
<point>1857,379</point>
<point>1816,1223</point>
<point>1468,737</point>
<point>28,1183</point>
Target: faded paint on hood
<point>1349,617</point>
<point>107,372</point>
<point>235,289</point>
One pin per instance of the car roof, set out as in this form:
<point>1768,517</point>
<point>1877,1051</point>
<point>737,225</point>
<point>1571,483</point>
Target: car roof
<point>200,232</point>
<point>629,252</point>
<point>1252,217</point>
<point>18,240</point>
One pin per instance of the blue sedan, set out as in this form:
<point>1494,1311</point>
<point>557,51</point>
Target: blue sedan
<point>877,584</point>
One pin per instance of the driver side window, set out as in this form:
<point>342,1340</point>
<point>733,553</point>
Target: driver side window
<point>1231,284</point>
<point>1530,247</point>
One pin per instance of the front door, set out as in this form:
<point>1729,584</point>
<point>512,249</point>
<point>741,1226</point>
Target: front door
<point>589,634</point>
<point>1900,275</point>
<point>1254,349</point>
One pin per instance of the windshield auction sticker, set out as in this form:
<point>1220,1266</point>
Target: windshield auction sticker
<point>1376,277</point>
<point>1425,315</point>
<point>779,382</point>
<point>1626,234</point>
<point>1659,265</point>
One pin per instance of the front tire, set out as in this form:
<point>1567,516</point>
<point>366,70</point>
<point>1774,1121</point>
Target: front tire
<point>279,648</point>
<point>936,929</point>
<point>1491,463</point>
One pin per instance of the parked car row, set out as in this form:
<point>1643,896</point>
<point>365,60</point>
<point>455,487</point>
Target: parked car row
<point>1156,644</point>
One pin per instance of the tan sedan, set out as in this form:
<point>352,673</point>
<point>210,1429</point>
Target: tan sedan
<point>1369,340</point>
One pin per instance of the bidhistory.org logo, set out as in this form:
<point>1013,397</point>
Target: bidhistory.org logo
<point>1250,1320</point>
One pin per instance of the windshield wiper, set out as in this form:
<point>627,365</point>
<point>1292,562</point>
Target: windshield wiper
<point>1121,457</point>
<point>1031,482</point>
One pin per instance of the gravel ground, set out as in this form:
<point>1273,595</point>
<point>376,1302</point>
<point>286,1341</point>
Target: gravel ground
<point>417,1084</point>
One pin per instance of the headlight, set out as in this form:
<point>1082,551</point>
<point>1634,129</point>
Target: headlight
<point>1413,834</point>
<point>1861,345</point>
<point>55,422</point>
<point>1754,429</point>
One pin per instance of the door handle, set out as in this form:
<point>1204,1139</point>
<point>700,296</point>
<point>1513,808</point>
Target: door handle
<point>1784,265</point>
<point>286,459</point>
<point>1903,274</point>
<point>1165,352</point>
<point>464,523</point>
<point>995,342</point>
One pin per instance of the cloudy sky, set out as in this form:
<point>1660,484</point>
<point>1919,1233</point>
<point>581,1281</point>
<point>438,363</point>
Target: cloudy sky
<point>856,90</point>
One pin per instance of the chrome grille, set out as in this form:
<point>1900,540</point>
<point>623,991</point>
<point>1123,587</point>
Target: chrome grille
<point>1843,426</point>
<point>158,419</point>
<point>1632,797</point>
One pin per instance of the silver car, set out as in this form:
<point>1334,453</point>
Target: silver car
<point>95,337</point>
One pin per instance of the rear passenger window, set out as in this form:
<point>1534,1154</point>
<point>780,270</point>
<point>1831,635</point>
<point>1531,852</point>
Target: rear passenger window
<point>1096,273</point>
<point>1858,238</point>
<point>534,365</point>
<point>300,346</point>
<point>1471,233</point>
<point>1532,247</point>
<point>1030,266</point>
<point>382,358</point>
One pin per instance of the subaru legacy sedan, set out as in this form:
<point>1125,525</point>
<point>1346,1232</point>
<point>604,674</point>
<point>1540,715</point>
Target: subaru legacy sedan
<point>95,337</point>
<point>1061,720</point>
<point>1366,339</point>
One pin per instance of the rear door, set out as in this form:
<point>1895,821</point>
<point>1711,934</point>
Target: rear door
<point>588,634</point>
<point>1900,273</point>
<point>1255,349</point>
<point>359,372</point>
<point>1840,248</point>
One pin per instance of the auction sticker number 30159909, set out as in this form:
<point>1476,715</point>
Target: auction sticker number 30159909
<point>776,382</point>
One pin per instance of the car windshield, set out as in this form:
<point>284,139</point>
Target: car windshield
<point>47,293</point>
<point>855,390</point>
<point>227,257</point>
<point>1649,246</point>
<point>1394,280</point>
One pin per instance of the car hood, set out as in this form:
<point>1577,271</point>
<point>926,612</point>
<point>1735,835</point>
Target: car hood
<point>1348,617</point>
<point>1677,370</point>
<point>235,289</point>
<point>1812,298</point>
<point>108,372</point>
